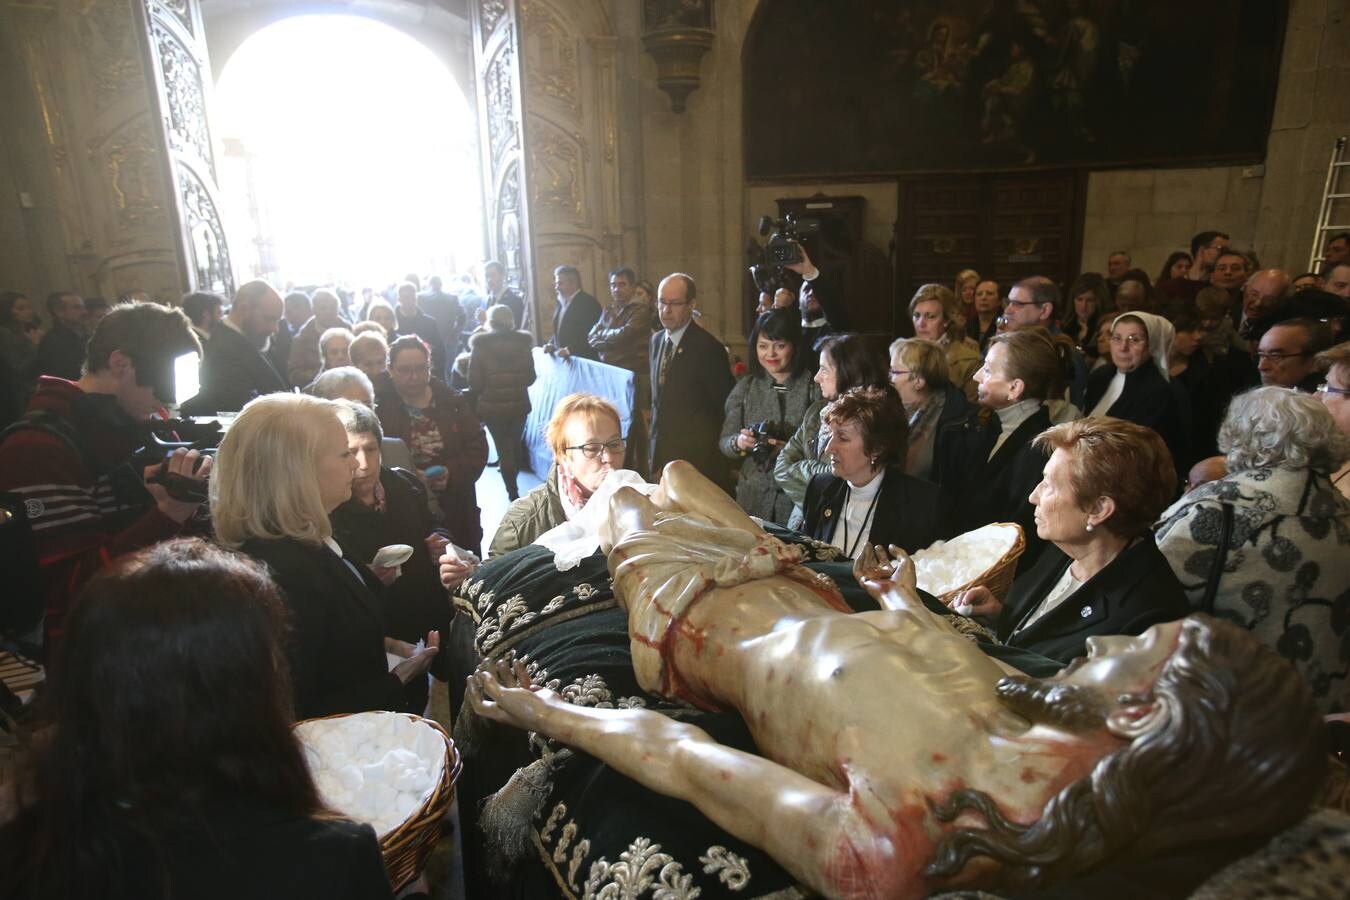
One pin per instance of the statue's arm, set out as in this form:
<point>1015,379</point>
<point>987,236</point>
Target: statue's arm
<point>820,835</point>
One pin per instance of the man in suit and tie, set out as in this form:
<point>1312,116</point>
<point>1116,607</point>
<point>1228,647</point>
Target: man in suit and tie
<point>235,368</point>
<point>573,317</point>
<point>691,378</point>
<point>494,273</point>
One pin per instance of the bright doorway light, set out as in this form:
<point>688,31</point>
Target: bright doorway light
<point>350,156</point>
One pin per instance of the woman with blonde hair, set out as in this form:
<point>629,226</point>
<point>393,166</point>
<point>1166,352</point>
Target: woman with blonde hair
<point>932,403</point>
<point>964,287</point>
<point>939,318</point>
<point>282,468</point>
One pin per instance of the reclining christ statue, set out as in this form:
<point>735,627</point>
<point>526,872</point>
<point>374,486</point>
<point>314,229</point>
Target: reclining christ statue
<point>898,759</point>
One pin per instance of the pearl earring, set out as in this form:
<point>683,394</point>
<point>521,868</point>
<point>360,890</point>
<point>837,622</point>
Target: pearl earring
<point>1090,527</point>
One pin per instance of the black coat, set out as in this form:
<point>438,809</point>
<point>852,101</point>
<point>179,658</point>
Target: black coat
<point>1150,400</point>
<point>278,351</point>
<point>229,848</point>
<point>687,411</point>
<point>61,353</point>
<point>233,372</point>
<point>908,512</point>
<point>1134,592</point>
<point>336,645</point>
<point>999,489</point>
<point>1208,388</point>
<point>501,368</point>
<point>416,602</point>
<point>425,327</point>
<point>512,301</point>
<point>573,328</point>
<point>956,412</point>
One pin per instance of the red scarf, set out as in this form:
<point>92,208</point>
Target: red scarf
<point>576,494</point>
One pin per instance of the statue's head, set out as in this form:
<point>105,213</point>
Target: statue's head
<point>1223,742</point>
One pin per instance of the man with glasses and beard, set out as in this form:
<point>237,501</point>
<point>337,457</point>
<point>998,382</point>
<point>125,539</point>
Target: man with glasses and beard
<point>897,758</point>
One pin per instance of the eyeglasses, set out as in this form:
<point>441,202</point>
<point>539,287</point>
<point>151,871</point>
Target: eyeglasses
<point>669,303</point>
<point>1134,340</point>
<point>1008,301</point>
<point>1277,356</point>
<point>1216,246</point>
<point>595,448</point>
<point>409,371</point>
<point>896,373</point>
<point>1325,388</point>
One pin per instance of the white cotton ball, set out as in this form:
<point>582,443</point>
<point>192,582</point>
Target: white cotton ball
<point>415,780</point>
<point>349,778</point>
<point>375,773</point>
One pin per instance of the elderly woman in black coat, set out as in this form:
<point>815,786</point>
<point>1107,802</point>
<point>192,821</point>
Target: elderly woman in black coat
<point>1101,572</point>
<point>1136,385</point>
<point>501,367</point>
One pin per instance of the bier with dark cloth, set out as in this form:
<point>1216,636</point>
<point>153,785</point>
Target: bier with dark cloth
<point>574,636</point>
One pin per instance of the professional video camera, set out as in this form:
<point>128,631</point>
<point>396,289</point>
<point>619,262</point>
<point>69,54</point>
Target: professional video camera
<point>782,250</point>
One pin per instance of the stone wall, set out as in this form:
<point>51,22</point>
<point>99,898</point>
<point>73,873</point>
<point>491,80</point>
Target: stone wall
<point>81,145</point>
<point>1271,209</point>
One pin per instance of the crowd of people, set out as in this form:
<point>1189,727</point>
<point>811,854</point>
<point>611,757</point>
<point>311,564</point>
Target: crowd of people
<point>1166,445</point>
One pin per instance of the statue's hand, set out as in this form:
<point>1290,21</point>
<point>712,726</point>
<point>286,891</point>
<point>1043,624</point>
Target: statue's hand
<point>500,690</point>
<point>873,563</point>
<point>890,576</point>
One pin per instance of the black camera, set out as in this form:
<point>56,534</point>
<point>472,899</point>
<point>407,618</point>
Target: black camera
<point>161,438</point>
<point>181,487</point>
<point>785,235</point>
<point>763,452</point>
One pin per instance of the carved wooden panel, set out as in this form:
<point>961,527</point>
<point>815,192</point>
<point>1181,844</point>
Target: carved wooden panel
<point>181,80</point>
<point>505,182</point>
<point>1006,227</point>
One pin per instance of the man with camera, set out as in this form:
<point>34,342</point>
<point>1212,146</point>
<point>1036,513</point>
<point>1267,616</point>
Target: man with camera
<point>70,458</point>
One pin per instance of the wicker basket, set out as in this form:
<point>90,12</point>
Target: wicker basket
<point>998,577</point>
<point>407,847</point>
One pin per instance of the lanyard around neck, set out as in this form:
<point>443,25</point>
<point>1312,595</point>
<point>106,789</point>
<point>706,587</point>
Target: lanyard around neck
<point>849,551</point>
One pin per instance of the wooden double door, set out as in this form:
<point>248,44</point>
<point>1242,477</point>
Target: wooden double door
<point>1005,226</point>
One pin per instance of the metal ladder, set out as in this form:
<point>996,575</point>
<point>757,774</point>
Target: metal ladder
<point>1331,193</point>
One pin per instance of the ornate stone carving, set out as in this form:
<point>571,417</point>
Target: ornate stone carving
<point>105,32</point>
<point>558,175</point>
<point>185,102</point>
<point>500,108</point>
<point>178,8</point>
<point>209,255</point>
<point>508,226</point>
<point>491,13</point>
<point>131,164</point>
<point>551,57</point>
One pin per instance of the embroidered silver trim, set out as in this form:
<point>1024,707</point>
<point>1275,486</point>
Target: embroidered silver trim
<point>731,870</point>
<point>641,867</point>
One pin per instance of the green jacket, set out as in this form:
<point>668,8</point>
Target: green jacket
<point>800,461</point>
<point>529,517</point>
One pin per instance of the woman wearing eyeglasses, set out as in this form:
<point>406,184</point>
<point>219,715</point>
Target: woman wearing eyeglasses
<point>1136,385</point>
<point>443,435</point>
<point>587,444</point>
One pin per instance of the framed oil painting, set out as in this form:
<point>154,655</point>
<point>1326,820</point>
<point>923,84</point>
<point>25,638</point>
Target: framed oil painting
<point>852,87</point>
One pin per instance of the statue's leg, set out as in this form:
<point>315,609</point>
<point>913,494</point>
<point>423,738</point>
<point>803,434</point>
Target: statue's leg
<point>685,489</point>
